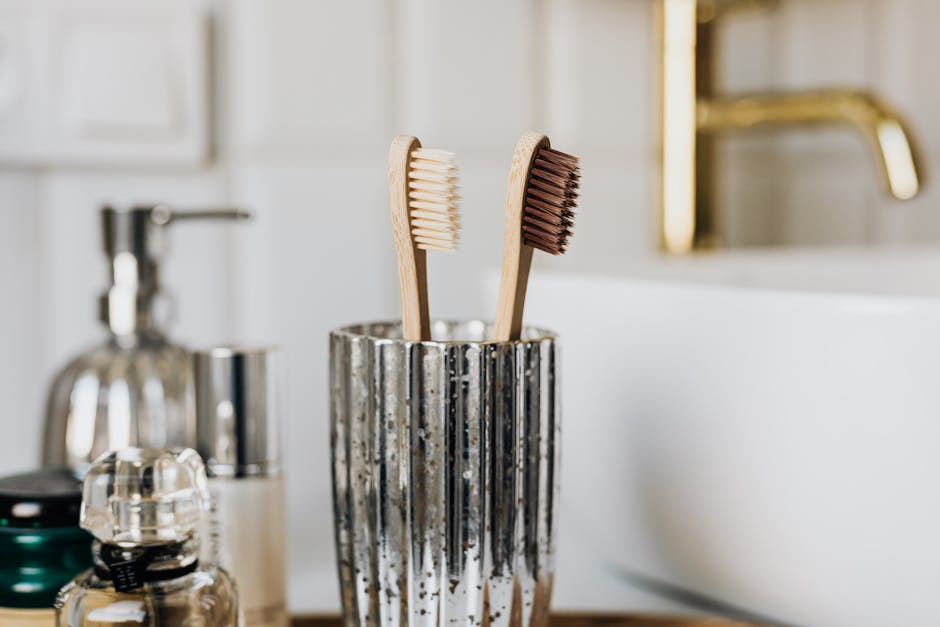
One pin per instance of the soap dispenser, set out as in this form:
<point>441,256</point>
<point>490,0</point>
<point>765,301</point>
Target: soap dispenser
<point>136,388</point>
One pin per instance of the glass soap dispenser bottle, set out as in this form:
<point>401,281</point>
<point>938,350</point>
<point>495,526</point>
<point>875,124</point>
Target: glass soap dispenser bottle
<point>146,508</point>
<point>136,388</point>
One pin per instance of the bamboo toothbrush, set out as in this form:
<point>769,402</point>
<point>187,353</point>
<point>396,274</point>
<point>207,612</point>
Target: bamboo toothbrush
<point>422,195</point>
<point>540,204</point>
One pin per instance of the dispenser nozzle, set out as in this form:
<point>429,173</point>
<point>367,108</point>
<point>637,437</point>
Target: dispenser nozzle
<point>133,241</point>
<point>163,215</point>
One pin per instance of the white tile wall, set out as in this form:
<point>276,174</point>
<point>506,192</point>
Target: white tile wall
<point>605,116</point>
<point>465,72</point>
<point>67,99</point>
<point>299,279</point>
<point>820,44</point>
<point>307,96</point>
<point>314,77</point>
<point>453,278</point>
<point>608,108</point>
<point>21,365</point>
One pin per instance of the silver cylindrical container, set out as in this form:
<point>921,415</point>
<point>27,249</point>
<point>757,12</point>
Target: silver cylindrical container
<point>445,475</point>
<point>238,414</point>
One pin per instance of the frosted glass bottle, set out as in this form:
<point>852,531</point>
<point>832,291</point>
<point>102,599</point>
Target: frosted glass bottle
<point>237,415</point>
<point>145,508</point>
<point>250,536</point>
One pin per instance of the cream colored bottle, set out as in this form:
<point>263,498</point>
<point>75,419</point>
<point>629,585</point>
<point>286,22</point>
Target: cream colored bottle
<point>237,414</point>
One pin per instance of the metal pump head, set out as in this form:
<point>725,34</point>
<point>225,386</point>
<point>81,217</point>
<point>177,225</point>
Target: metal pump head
<point>134,241</point>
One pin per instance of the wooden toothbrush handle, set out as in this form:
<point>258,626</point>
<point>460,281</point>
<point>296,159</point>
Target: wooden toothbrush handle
<point>517,257</point>
<point>412,261</point>
<point>512,288</point>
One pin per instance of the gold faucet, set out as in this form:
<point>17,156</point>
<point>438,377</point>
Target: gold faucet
<point>692,116</point>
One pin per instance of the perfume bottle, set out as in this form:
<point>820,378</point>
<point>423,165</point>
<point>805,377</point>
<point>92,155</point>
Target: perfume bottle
<point>237,419</point>
<point>135,388</point>
<point>146,508</point>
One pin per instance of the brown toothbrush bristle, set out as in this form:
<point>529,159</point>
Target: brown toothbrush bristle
<point>550,200</point>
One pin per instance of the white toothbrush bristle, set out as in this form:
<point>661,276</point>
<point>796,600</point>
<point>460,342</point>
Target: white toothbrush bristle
<point>433,201</point>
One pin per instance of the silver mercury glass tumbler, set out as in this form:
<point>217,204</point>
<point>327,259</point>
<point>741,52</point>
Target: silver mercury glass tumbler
<point>445,475</point>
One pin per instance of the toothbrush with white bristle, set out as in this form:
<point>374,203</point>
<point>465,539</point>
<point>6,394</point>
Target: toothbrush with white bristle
<point>422,196</point>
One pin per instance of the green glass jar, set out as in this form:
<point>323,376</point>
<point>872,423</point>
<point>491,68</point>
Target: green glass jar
<point>41,545</point>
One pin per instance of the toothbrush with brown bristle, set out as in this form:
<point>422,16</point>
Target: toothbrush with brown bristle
<point>540,204</point>
<point>422,194</point>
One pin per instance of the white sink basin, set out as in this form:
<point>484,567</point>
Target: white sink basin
<point>776,450</point>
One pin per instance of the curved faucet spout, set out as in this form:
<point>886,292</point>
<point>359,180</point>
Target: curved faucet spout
<point>879,123</point>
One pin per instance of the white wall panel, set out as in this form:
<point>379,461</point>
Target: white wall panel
<point>465,72</point>
<point>319,256</point>
<point>21,327</point>
<point>746,51</point>
<point>610,106</point>
<point>103,82</point>
<point>454,278</point>
<point>310,75</point>
<point>821,43</point>
<point>751,190</point>
<point>752,186</point>
<point>21,93</point>
<point>605,116</point>
<point>826,201</point>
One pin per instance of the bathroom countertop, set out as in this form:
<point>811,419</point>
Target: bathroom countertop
<point>579,620</point>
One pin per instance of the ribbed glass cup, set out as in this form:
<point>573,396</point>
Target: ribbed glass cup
<point>445,475</point>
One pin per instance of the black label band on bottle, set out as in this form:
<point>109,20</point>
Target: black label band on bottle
<point>128,575</point>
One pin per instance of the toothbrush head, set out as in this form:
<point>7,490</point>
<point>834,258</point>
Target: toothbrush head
<point>551,197</point>
<point>433,202</point>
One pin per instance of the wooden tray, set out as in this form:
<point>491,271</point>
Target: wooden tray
<point>580,620</point>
